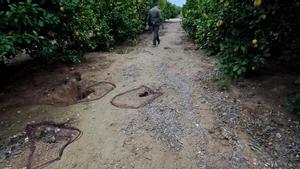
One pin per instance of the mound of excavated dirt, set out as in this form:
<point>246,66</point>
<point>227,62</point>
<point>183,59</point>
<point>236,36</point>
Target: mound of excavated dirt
<point>135,98</point>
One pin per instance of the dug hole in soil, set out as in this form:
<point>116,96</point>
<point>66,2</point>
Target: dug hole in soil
<point>71,90</point>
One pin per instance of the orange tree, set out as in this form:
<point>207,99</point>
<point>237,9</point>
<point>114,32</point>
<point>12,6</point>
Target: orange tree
<point>246,35</point>
<point>168,9</point>
<point>63,30</point>
<point>51,30</point>
<point>171,10</point>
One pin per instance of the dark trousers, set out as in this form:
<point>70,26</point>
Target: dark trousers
<point>155,36</point>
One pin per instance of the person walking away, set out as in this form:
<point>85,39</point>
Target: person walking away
<point>154,23</point>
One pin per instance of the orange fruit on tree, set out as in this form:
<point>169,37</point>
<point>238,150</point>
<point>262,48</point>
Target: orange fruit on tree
<point>257,3</point>
<point>226,4</point>
<point>62,9</point>
<point>76,33</point>
<point>263,16</point>
<point>220,23</point>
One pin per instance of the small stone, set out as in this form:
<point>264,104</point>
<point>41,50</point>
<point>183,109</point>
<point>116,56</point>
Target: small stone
<point>57,130</point>
<point>251,94</point>
<point>278,135</point>
<point>146,119</point>
<point>254,161</point>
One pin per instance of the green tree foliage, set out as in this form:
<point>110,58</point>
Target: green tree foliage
<point>170,11</point>
<point>246,35</point>
<point>63,30</point>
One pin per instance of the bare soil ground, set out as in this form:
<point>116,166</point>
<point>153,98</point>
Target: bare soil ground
<point>191,125</point>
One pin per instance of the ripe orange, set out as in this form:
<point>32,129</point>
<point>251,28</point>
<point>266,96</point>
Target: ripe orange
<point>257,3</point>
<point>220,23</point>
<point>226,4</point>
<point>263,16</point>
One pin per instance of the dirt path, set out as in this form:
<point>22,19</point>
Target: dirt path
<point>179,129</point>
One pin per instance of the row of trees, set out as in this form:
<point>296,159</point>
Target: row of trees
<point>169,10</point>
<point>63,30</point>
<point>246,35</point>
